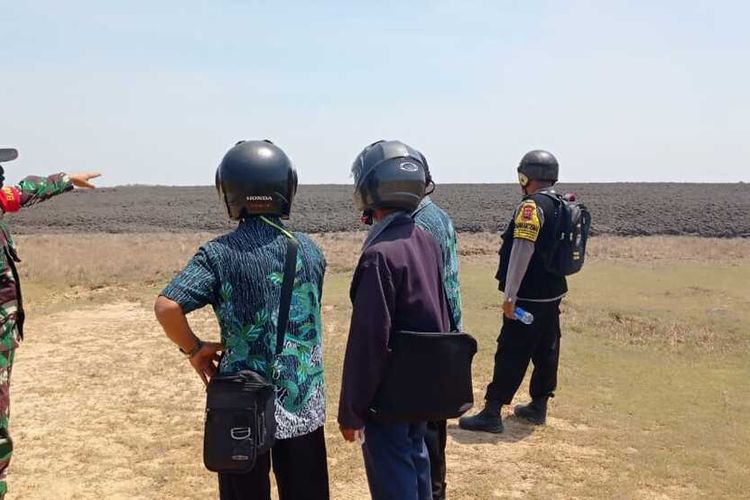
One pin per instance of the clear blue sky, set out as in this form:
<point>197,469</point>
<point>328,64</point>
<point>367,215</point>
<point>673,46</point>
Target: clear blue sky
<point>155,92</point>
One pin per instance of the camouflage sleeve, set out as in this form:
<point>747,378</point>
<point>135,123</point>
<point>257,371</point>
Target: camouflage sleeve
<point>34,189</point>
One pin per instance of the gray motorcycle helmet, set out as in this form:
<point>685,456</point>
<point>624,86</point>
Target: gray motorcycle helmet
<point>538,165</point>
<point>388,174</point>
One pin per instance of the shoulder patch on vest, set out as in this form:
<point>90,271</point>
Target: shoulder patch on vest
<point>527,223</point>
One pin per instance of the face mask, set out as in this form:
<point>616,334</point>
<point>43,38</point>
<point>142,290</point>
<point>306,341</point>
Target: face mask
<point>523,181</point>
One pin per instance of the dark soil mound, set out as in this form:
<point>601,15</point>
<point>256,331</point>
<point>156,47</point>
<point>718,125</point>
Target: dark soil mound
<point>721,210</point>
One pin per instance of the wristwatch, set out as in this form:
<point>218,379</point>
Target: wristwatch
<point>192,352</point>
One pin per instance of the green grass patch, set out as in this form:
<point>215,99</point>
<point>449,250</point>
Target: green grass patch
<point>654,366</point>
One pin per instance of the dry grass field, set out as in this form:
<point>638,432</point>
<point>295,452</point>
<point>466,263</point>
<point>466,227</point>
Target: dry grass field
<point>653,399</point>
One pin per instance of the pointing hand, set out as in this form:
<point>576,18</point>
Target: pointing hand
<point>81,179</point>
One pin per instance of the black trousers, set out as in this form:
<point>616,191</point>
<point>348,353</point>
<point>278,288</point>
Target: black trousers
<point>518,344</point>
<point>299,465</point>
<point>435,440</point>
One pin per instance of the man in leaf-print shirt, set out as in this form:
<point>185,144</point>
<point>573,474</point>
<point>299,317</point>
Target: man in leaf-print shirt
<point>29,191</point>
<point>240,275</point>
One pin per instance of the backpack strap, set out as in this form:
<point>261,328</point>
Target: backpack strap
<point>554,195</point>
<point>559,202</point>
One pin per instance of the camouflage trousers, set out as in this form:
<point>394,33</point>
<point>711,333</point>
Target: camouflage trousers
<point>6,445</point>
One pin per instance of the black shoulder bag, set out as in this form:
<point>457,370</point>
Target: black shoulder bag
<point>240,407</point>
<point>428,376</point>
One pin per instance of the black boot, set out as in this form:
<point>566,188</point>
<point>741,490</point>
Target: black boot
<point>534,412</point>
<point>487,420</point>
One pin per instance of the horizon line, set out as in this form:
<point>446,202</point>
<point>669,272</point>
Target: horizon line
<point>337,184</point>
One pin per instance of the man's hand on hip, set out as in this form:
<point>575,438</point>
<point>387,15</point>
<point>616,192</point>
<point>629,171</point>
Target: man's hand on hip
<point>205,361</point>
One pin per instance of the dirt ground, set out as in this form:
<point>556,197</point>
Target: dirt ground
<point>104,407</point>
<point>98,423</point>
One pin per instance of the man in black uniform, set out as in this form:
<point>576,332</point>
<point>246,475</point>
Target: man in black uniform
<point>527,283</point>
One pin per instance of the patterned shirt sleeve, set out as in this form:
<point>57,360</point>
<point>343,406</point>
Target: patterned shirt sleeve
<point>195,286</point>
<point>451,279</point>
<point>34,189</point>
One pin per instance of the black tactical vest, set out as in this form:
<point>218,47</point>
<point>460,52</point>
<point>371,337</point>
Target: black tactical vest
<point>537,283</point>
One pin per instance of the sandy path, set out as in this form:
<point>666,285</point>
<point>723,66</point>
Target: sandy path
<point>103,407</point>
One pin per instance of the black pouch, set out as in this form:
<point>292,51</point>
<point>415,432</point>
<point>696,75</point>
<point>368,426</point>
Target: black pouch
<point>428,378</point>
<point>240,422</point>
<point>428,375</point>
<point>240,407</point>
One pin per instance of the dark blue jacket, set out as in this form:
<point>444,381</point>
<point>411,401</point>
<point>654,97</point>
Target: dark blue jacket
<point>396,286</point>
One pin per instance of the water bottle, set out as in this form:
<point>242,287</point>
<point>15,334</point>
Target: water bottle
<point>524,317</point>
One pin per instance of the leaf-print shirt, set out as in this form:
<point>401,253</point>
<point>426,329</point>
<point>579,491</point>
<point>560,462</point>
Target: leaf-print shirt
<point>435,221</point>
<point>239,274</point>
<point>29,191</point>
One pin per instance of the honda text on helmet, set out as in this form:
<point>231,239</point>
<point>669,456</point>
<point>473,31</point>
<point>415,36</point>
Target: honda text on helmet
<point>256,178</point>
<point>388,174</point>
<point>538,165</point>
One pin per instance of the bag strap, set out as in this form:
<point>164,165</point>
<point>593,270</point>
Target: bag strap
<point>560,207</point>
<point>287,285</point>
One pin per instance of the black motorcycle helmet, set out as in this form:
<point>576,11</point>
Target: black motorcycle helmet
<point>6,154</point>
<point>388,174</point>
<point>256,178</point>
<point>538,165</point>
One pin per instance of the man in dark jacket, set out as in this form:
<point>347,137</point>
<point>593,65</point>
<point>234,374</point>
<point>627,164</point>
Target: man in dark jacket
<point>526,282</point>
<point>397,286</point>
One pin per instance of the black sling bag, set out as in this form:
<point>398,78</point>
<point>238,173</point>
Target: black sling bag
<point>428,375</point>
<point>240,407</point>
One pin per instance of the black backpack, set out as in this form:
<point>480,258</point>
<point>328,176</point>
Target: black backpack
<point>571,232</point>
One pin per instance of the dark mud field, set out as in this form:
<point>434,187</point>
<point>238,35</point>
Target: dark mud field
<point>635,209</point>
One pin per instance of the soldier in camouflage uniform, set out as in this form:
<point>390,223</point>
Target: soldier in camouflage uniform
<point>29,191</point>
